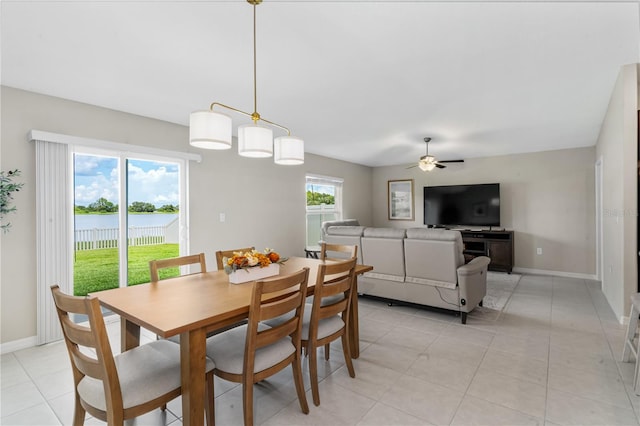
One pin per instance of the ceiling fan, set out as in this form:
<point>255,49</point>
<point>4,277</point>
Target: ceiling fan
<point>428,162</point>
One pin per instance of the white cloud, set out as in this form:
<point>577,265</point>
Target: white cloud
<point>86,165</point>
<point>157,186</point>
<point>98,187</point>
<point>96,178</point>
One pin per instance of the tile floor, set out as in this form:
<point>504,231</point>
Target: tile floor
<point>550,358</point>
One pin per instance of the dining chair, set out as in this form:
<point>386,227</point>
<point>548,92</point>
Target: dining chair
<point>253,352</point>
<point>156,265</point>
<point>631,343</point>
<point>220,254</point>
<point>115,388</point>
<point>337,251</point>
<point>327,318</point>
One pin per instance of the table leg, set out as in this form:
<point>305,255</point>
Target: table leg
<point>354,329</point>
<point>129,335</point>
<point>192,362</point>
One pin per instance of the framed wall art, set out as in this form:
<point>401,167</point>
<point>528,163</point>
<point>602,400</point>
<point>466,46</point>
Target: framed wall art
<point>400,199</point>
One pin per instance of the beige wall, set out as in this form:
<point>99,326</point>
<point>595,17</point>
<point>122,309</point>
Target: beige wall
<point>263,203</point>
<point>617,149</point>
<point>547,198</point>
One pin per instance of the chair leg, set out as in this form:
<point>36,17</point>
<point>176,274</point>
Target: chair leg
<point>313,373</point>
<point>463,317</point>
<point>78,413</point>
<point>327,348</point>
<point>636,378</point>
<point>247,401</point>
<point>297,379</point>
<point>347,353</point>
<point>209,403</point>
<point>629,347</point>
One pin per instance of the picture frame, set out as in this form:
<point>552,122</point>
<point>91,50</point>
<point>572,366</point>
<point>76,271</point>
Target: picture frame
<point>400,199</point>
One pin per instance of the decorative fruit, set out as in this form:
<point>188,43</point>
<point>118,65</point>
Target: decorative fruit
<point>273,256</point>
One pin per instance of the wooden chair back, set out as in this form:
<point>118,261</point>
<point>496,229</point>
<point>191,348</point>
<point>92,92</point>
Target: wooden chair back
<point>220,254</point>
<point>101,365</point>
<point>295,288</point>
<point>156,265</point>
<point>337,251</point>
<point>332,297</point>
<point>334,279</point>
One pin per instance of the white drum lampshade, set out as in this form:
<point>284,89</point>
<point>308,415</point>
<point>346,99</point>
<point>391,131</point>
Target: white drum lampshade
<point>255,141</point>
<point>210,130</point>
<point>288,150</point>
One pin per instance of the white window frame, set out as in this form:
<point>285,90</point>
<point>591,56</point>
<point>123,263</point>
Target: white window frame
<point>336,209</point>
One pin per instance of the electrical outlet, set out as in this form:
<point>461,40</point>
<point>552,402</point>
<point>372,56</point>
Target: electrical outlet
<point>223,217</point>
<point>539,250</point>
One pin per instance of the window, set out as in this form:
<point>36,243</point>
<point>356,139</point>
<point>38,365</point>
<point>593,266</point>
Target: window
<point>324,202</point>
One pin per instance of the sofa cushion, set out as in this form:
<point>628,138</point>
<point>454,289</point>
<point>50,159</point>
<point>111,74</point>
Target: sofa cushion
<point>383,249</point>
<point>384,232</point>
<point>440,235</point>
<point>345,230</point>
<point>433,234</point>
<point>326,224</point>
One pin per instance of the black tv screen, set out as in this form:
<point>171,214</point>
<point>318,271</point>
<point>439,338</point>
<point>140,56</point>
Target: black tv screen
<point>466,205</point>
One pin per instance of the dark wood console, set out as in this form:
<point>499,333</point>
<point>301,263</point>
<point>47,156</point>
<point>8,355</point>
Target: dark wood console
<point>498,245</point>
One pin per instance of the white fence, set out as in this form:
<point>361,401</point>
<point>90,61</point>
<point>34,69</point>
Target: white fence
<point>91,239</point>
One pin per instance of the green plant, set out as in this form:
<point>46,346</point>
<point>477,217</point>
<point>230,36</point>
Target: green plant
<point>7,188</point>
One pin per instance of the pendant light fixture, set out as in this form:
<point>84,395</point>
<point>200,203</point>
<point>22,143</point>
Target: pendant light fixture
<point>212,130</point>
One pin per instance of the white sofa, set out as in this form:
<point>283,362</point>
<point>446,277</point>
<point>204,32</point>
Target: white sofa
<point>417,265</point>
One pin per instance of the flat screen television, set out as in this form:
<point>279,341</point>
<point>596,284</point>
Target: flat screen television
<point>462,205</point>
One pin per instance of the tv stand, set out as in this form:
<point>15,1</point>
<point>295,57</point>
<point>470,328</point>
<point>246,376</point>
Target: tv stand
<point>498,245</point>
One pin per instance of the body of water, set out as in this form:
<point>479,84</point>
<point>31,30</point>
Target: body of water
<point>101,221</point>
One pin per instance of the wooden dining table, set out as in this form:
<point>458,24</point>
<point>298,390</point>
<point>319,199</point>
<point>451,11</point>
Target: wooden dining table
<point>192,306</point>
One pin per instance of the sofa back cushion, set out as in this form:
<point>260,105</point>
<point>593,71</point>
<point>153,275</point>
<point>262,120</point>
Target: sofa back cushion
<point>432,256</point>
<point>328,223</point>
<point>383,249</point>
<point>346,235</point>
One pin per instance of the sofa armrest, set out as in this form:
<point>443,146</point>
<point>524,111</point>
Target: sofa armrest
<point>476,265</point>
<point>472,282</point>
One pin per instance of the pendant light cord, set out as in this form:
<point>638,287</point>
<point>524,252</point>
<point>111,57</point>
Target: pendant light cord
<point>255,71</point>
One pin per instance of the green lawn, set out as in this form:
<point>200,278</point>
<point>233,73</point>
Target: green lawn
<point>96,270</point>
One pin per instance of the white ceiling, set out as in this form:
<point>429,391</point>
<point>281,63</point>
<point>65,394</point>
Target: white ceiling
<point>362,81</point>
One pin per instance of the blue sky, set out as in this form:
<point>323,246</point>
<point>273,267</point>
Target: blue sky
<point>149,181</point>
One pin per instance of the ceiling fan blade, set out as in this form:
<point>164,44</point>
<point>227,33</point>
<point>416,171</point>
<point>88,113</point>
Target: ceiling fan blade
<point>411,167</point>
<point>451,161</point>
<point>440,166</point>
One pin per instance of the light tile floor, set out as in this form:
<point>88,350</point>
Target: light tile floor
<point>550,358</point>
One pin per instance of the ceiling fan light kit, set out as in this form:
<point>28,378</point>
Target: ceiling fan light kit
<point>428,162</point>
<point>213,130</point>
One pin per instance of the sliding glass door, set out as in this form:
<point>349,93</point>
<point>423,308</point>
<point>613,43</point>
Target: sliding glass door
<point>113,244</point>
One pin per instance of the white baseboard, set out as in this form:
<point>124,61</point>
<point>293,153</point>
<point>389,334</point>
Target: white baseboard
<point>17,345</point>
<point>32,341</point>
<point>554,273</point>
